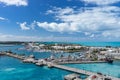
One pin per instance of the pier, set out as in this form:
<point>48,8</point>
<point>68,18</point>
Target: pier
<point>31,59</point>
<point>80,62</point>
<point>70,69</point>
<point>79,71</point>
<point>12,55</point>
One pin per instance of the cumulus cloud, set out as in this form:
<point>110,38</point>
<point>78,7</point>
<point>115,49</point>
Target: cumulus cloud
<point>56,27</point>
<point>101,2</point>
<point>100,21</point>
<point>92,20</point>
<point>24,26</point>
<point>14,2</point>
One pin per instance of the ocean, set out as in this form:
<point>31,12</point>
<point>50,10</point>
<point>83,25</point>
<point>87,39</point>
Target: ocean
<point>13,69</point>
<point>99,44</point>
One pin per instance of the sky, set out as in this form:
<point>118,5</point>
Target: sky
<point>60,20</point>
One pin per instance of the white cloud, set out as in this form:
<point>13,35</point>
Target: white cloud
<point>101,2</point>
<point>56,27</point>
<point>8,37</point>
<point>33,24</point>
<point>61,11</point>
<point>87,33</point>
<point>3,19</point>
<point>24,26</point>
<point>92,20</point>
<point>14,2</point>
<point>112,33</point>
<point>100,21</point>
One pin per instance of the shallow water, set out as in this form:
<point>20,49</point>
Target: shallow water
<point>105,68</point>
<point>13,69</point>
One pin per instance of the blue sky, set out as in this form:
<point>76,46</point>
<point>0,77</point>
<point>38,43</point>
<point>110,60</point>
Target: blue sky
<point>60,20</point>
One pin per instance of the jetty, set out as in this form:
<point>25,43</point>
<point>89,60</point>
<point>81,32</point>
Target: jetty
<point>10,54</point>
<point>80,62</point>
<point>70,69</point>
<point>31,59</point>
<point>79,71</point>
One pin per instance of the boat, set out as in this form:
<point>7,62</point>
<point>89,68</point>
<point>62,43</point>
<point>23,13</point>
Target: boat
<point>109,60</point>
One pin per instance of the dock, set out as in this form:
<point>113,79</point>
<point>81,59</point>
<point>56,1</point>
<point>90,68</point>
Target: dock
<point>80,62</point>
<point>79,71</point>
<point>70,69</point>
<point>12,55</point>
<point>20,57</point>
<point>51,64</point>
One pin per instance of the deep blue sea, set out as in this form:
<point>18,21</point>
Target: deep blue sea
<point>13,69</point>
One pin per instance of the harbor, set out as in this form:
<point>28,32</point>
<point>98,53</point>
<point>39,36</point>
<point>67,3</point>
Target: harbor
<point>42,62</point>
<point>59,39</point>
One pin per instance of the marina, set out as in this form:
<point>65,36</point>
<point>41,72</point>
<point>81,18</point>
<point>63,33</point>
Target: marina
<point>59,39</point>
<point>41,62</point>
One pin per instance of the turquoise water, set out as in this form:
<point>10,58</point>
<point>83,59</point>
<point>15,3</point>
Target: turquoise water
<point>16,47</point>
<point>99,44</point>
<point>105,68</point>
<point>13,69</point>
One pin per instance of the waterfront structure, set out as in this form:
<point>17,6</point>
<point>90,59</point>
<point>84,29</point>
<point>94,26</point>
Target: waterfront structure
<point>31,59</point>
<point>89,55</point>
<point>55,47</point>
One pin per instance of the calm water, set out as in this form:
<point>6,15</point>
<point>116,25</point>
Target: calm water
<point>13,69</point>
<point>105,68</point>
<point>99,44</point>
